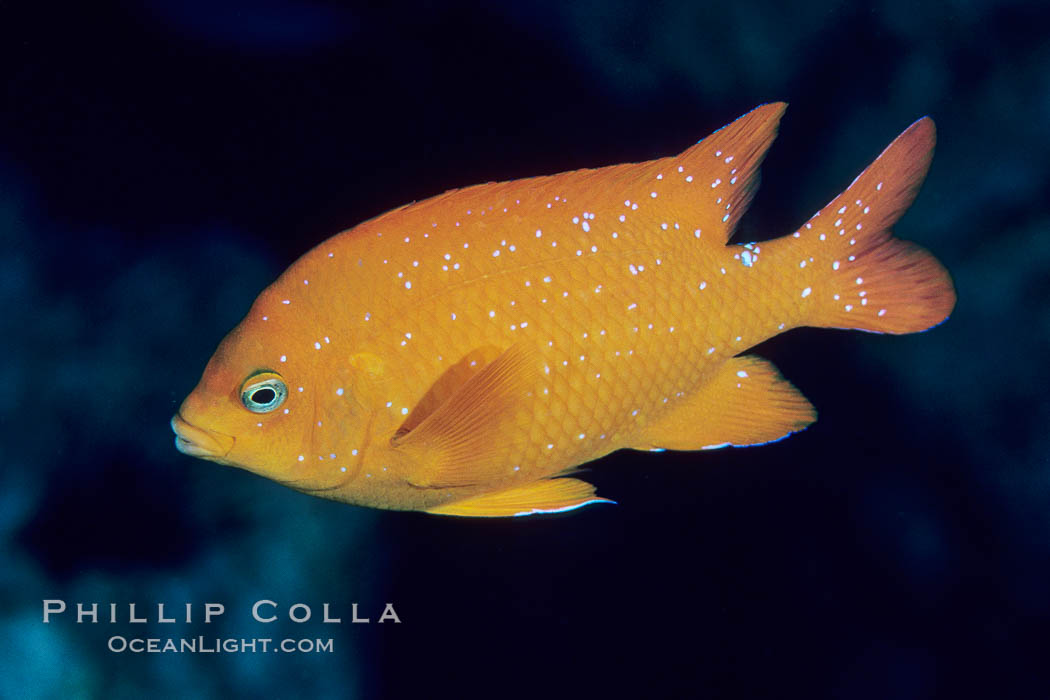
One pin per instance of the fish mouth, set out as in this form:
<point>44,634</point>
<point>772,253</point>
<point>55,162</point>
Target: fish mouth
<point>199,442</point>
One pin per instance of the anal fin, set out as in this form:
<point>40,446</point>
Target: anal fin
<point>747,402</point>
<point>545,496</point>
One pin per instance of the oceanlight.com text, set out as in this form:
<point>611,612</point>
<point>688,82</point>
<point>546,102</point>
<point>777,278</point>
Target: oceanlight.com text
<point>217,645</point>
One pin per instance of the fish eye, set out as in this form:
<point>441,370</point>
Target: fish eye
<point>262,394</point>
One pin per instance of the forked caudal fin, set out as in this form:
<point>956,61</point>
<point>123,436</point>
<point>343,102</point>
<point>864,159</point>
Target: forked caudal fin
<point>860,276</point>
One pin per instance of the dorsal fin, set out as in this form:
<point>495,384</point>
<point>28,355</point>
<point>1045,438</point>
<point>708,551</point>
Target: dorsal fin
<point>724,166</point>
<point>460,442</point>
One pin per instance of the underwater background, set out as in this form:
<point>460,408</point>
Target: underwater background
<point>161,162</point>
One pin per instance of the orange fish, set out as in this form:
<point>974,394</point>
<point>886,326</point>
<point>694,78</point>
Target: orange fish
<point>461,354</point>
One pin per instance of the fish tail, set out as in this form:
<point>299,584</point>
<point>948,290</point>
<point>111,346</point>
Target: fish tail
<point>860,276</point>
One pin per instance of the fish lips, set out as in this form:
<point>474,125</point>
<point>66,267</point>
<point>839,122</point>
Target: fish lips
<point>200,442</point>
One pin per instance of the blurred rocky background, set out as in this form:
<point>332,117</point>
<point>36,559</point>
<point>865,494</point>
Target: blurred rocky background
<point>162,161</point>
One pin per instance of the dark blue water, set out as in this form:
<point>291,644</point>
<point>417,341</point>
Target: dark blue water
<point>161,162</point>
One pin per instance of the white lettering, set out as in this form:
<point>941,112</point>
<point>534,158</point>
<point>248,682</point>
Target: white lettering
<point>260,603</point>
<point>291,613</point>
<point>389,614</point>
<point>81,613</point>
<point>213,610</point>
<point>330,619</point>
<point>53,607</point>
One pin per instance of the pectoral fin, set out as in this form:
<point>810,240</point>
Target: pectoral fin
<point>747,402</point>
<point>451,381</point>
<point>461,442</point>
<point>546,496</point>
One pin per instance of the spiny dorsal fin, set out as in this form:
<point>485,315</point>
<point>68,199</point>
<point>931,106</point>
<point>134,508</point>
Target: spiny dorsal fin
<point>545,496</point>
<point>460,442</point>
<point>724,166</point>
<point>704,189</point>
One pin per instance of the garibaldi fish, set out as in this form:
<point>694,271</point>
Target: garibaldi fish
<point>461,354</point>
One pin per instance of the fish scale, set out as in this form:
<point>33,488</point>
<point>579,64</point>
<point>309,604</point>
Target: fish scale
<point>459,354</point>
